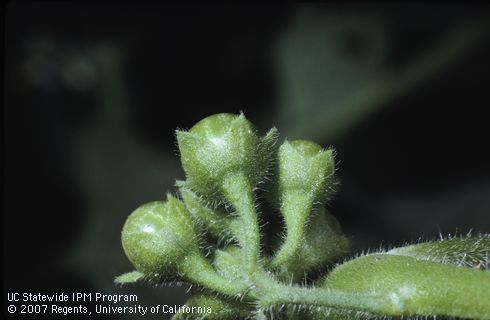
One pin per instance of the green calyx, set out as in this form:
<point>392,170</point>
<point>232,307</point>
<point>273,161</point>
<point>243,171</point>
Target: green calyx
<point>305,167</point>
<point>213,220</point>
<point>220,146</point>
<point>252,268</point>
<point>229,264</point>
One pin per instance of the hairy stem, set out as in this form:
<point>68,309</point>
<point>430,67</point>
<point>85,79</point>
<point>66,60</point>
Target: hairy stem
<point>238,192</point>
<point>272,293</point>
<point>199,271</point>
<point>296,209</point>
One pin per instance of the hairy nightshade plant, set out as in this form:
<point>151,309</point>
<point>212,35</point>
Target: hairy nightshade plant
<point>210,235</point>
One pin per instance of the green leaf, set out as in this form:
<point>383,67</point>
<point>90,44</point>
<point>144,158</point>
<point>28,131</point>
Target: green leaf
<point>407,286</point>
<point>472,252</point>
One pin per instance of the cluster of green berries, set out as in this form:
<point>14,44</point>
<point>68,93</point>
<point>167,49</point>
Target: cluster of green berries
<point>210,235</point>
<point>228,168</point>
<point>225,159</point>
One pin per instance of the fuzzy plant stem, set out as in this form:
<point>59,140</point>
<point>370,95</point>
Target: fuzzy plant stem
<point>239,193</point>
<point>295,218</point>
<point>271,293</point>
<point>200,271</point>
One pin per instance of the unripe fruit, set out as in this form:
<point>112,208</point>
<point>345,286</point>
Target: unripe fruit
<point>219,146</point>
<point>158,236</point>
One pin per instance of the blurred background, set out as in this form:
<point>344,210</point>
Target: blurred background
<point>94,92</point>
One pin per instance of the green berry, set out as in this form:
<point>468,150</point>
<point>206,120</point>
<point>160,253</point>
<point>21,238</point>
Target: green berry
<point>219,146</point>
<point>158,236</point>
